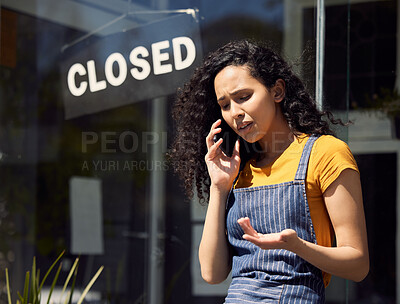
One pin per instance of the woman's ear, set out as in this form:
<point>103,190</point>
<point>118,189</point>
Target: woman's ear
<point>279,90</point>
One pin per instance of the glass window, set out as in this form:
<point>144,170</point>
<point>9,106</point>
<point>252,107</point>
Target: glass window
<point>86,90</point>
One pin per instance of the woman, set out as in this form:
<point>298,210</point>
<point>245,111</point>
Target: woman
<point>288,190</point>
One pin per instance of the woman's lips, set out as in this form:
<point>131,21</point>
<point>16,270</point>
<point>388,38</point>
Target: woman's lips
<point>245,127</point>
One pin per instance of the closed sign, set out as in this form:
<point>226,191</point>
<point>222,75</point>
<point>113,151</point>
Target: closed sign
<point>127,67</point>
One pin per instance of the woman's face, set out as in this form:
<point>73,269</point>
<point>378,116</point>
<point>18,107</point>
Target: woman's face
<point>247,105</point>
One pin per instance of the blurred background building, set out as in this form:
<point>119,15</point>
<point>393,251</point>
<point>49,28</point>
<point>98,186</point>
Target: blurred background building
<point>86,88</point>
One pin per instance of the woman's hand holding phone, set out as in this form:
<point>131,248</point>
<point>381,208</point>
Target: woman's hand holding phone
<point>221,167</point>
<point>229,138</point>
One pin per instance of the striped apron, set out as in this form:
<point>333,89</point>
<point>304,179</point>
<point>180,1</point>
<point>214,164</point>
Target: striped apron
<point>278,275</point>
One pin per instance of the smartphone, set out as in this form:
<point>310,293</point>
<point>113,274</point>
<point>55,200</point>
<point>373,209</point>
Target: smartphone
<point>228,136</point>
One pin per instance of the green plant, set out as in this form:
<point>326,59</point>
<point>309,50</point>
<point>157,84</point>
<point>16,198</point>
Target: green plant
<point>387,102</point>
<point>33,287</point>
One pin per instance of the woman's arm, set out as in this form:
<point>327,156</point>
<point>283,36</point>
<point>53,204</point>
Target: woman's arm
<point>214,255</point>
<point>350,259</point>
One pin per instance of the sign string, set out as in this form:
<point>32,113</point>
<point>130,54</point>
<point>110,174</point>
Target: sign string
<point>190,11</point>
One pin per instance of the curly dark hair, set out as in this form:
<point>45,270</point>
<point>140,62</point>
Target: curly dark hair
<point>196,108</point>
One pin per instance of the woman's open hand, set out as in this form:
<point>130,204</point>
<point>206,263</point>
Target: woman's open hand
<point>286,239</point>
<point>221,168</point>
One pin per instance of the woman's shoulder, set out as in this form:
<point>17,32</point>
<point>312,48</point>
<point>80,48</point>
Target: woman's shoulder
<point>329,157</point>
<point>329,144</point>
<point>326,143</point>
<point>331,154</point>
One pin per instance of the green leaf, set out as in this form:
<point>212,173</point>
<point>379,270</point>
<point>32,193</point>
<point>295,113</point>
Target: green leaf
<point>20,297</point>
<point>53,284</point>
<point>32,290</point>
<point>70,275</point>
<point>8,287</point>
<point>38,296</point>
<point>26,288</point>
<point>90,285</point>
<point>48,271</point>
<point>33,293</point>
<point>73,286</point>
<point>67,298</point>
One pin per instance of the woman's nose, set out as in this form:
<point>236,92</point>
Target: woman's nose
<point>236,110</point>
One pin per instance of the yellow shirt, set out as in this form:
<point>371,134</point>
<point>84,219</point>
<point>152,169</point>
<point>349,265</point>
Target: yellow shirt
<point>329,157</point>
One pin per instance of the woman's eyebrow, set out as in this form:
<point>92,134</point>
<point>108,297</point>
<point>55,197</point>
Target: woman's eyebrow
<point>232,94</point>
<point>237,91</point>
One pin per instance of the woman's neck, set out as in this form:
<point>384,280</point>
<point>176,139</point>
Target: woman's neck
<point>274,145</point>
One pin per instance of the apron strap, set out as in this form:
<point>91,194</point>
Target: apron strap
<point>305,156</point>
